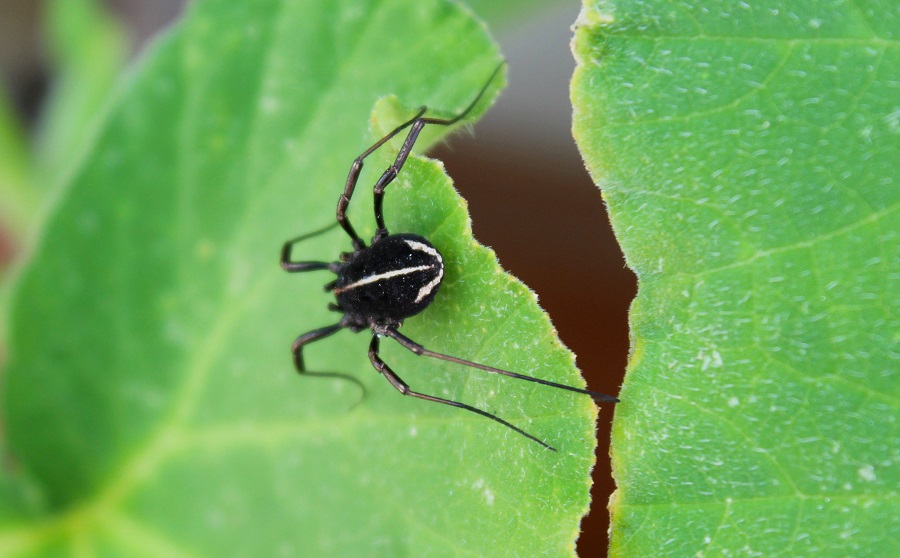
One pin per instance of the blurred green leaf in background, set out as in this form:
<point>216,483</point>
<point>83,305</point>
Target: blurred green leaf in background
<point>149,401</point>
<point>748,154</point>
<point>87,51</point>
<point>16,201</point>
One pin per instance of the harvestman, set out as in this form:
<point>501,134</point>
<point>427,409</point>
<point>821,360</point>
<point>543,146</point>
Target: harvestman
<point>397,276</point>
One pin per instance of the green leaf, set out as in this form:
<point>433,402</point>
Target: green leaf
<point>88,50</point>
<point>748,154</point>
<point>16,200</point>
<point>150,397</point>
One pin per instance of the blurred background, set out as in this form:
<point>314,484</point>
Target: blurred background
<point>529,194</point>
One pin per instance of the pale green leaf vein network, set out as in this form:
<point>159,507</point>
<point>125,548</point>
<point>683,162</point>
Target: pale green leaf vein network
<point>831,377</point>
<point>161,443</point>
<point>801,505</point>
<point>835,181</point>
<point>872,218</point>
<point>841,117</point>
<point>754,89</point>
<point>723,522</point>
<point>139,540</point>
<point>399,510</point>
<point>810,379</point>
<point>718,418</point>
<point>726,513</point>
<point>820,287</point>
<point>226,437</point>
<point>854,4</point>
<point>273,433</point>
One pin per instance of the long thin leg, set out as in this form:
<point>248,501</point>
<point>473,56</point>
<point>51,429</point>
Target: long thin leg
<point>292,266</point>
<point>315,335</point>
<point>418,122</point>
<point>353,177</point>
<point>403,388</point>
<point>420,350</point>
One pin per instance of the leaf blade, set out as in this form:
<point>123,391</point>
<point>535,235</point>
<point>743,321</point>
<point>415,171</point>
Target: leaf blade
<point>158,322</point>
<point>733,146</point>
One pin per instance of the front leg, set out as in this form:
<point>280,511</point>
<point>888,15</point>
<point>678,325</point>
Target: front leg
<point>293,267</point>
<point>353,178</point>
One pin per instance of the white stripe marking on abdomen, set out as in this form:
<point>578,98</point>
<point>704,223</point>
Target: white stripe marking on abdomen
<point>426,289</point>
<point>381,276</point>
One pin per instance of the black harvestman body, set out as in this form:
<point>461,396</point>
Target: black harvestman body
<point>396,277</point>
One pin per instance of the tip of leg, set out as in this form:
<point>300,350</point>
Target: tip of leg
<point>602,397</point>
<point>541,442</point>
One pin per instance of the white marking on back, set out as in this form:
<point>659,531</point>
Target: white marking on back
<point>424,248</point>
<point>381,276</point>
<point>426,289</point>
